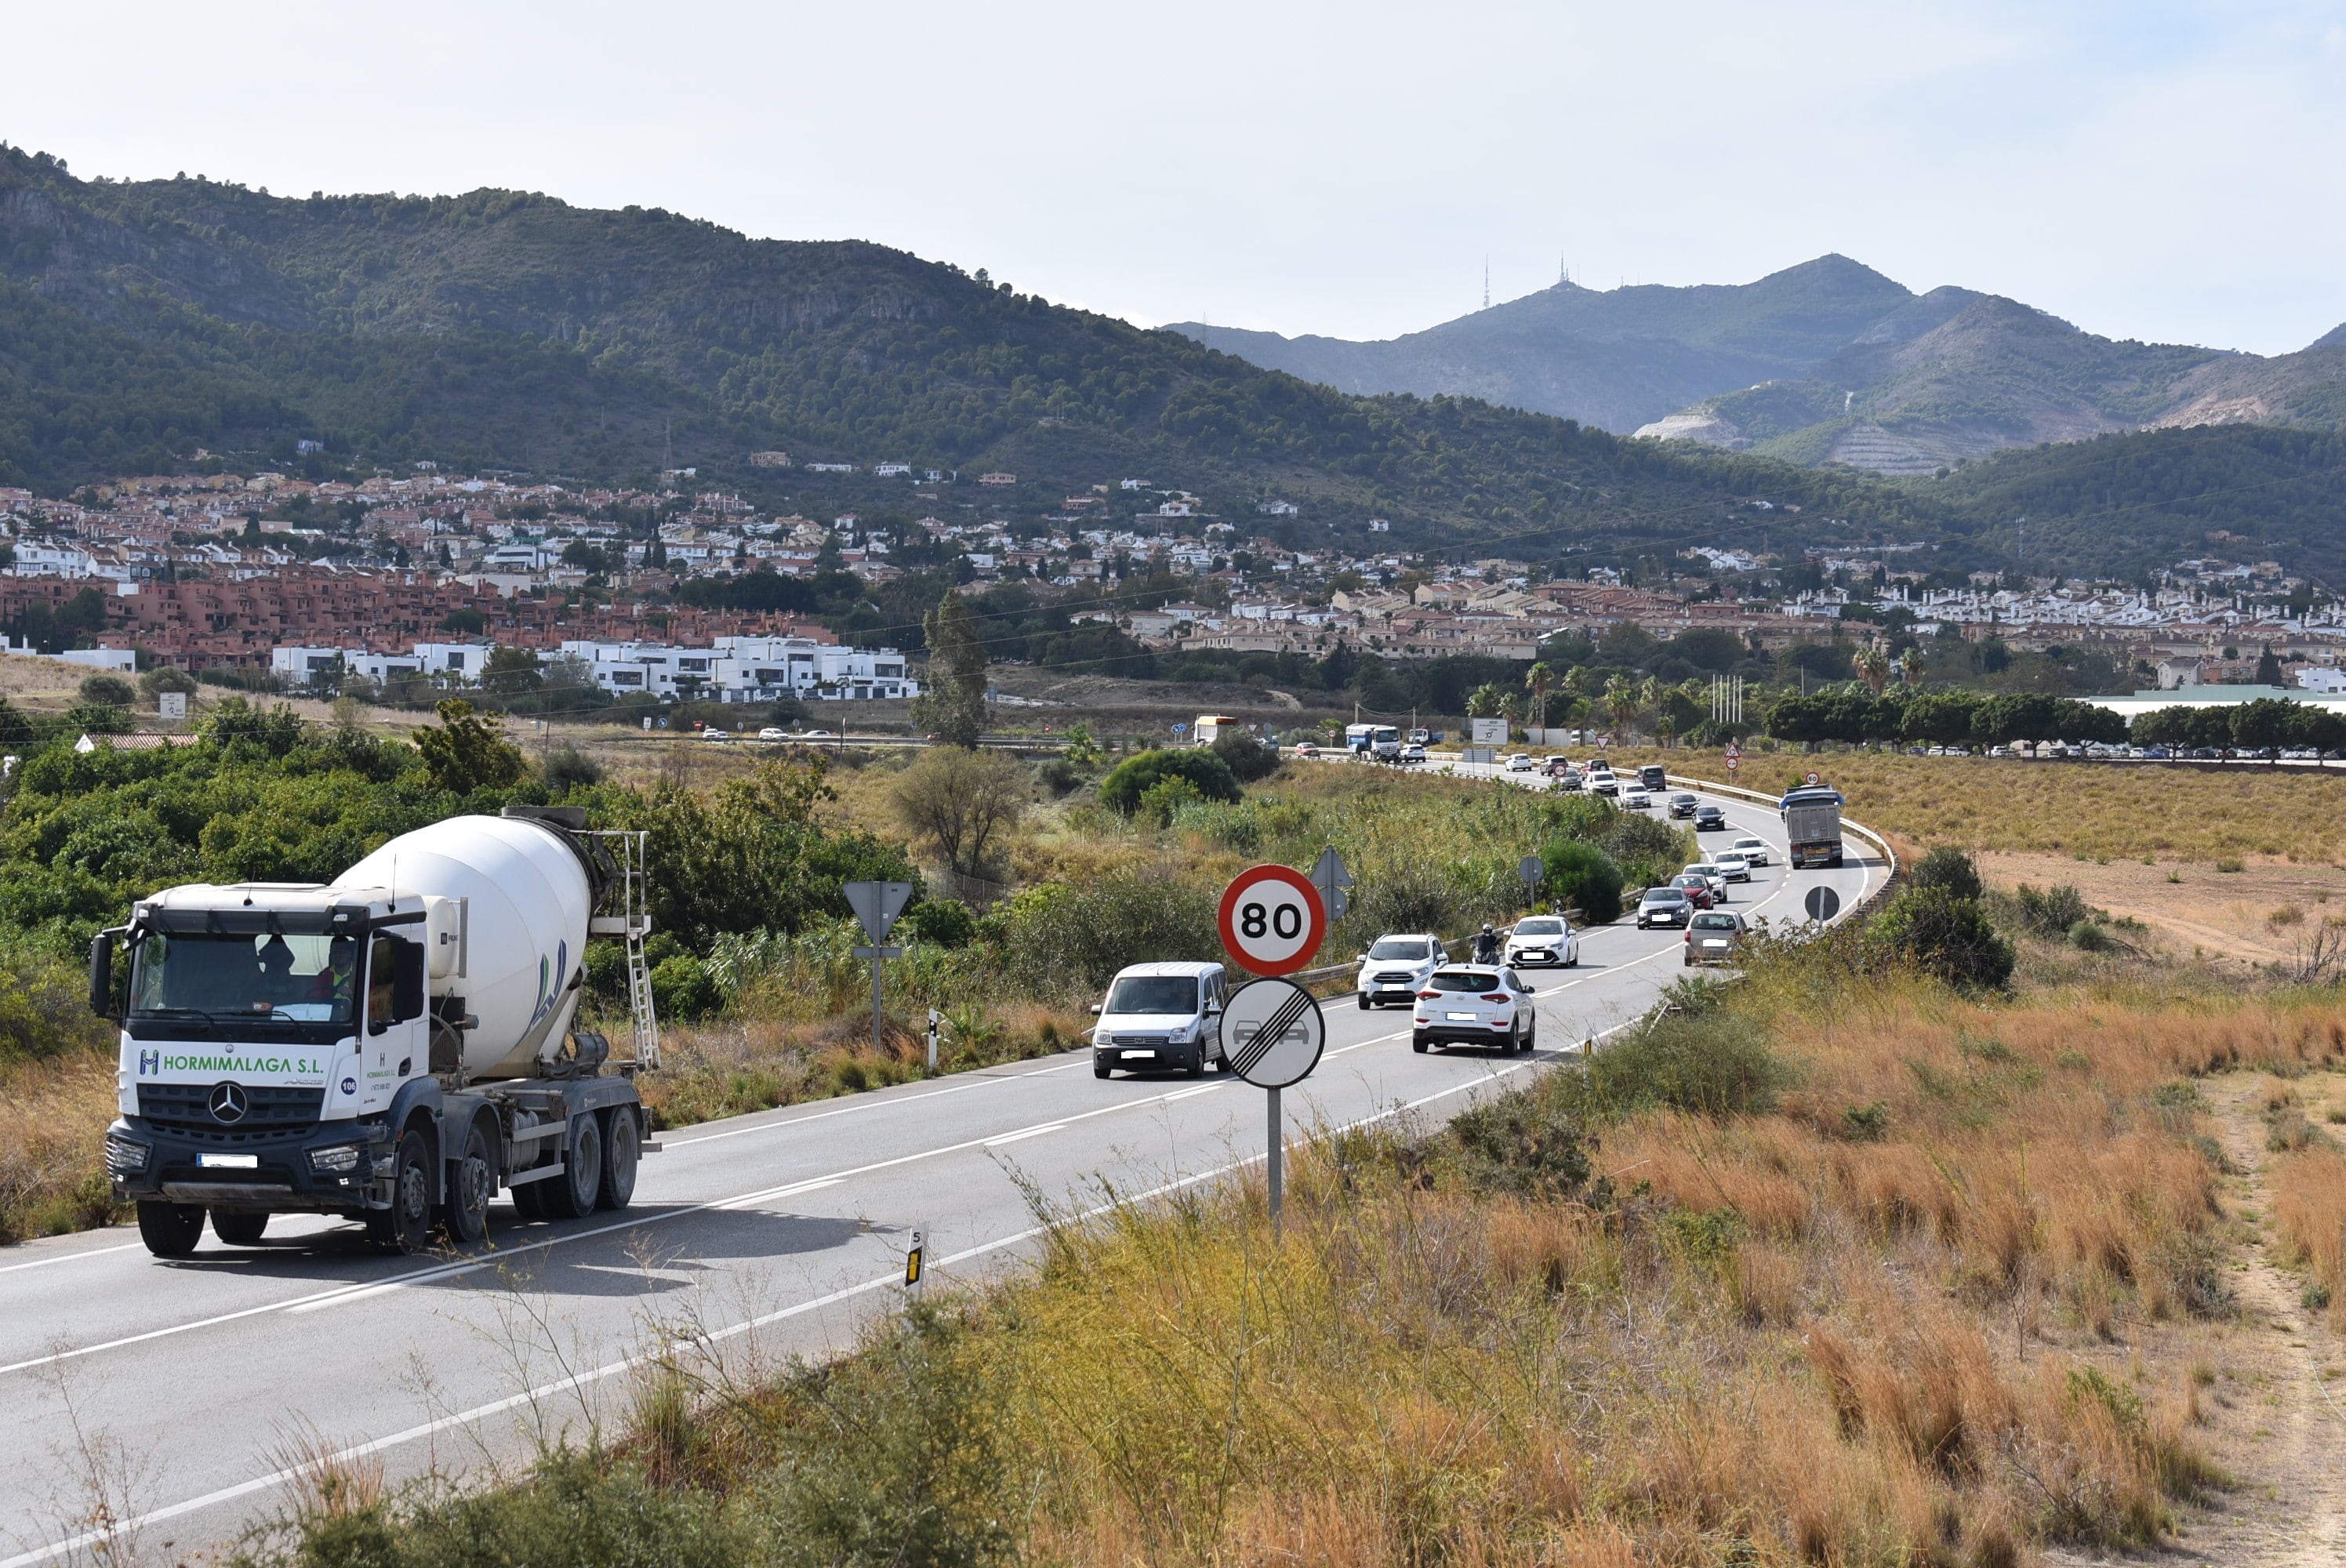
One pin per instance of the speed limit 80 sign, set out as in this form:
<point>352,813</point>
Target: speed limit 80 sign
<point>1273,919</point>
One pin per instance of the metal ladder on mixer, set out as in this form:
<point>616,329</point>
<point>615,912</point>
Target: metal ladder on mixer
<point>632,923</point>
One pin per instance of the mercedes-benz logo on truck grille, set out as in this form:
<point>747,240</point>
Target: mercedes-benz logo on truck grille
<point>228,1103</point>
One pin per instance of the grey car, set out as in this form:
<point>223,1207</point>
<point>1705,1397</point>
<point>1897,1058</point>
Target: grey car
<point>1664,906</point>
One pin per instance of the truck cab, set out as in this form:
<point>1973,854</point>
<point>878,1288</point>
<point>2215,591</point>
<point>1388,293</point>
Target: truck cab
<point>266,1031</point>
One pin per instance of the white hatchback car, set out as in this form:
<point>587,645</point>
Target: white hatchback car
<point>1636,799</point>
<point>1732,866</point>
<point>1520,762</point>
<point>1396,967</point>
<point>1159,1016</point>
<point>1475,1004</point>
<point>770,733</point>
<point>1542,940</point>
<point>1754,850</point>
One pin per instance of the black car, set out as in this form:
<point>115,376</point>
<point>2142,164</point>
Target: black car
<point>1682,805</point>
<point>1709,818</point>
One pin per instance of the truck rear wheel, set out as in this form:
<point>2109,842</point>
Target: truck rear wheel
<point>239,1228</point>
<point>406,1225</point>
<point>170,1229</point>
<point>471,1181</point>
<point>572,1194</point>
<point>623,1147</point>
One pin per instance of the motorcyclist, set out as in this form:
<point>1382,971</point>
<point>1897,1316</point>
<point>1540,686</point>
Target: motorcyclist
<point>1487,944</point>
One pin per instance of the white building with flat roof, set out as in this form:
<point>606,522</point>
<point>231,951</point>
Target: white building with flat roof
<point>748,669</point>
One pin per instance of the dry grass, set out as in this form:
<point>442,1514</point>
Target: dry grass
<point>53,1119</point>
<point>731,1067</point>
<point>2309,1210</point>
<point>2085,810</point>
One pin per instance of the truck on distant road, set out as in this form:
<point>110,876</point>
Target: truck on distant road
<point>393,1047</point>
<point>1212,727</point>
<point>1381,742</point>
<point>1811,817</point>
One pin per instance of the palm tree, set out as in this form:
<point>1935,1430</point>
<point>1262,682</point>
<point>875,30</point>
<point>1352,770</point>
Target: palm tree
<point>1873,667</point>
<point>1621,700</point>
<point>1539,677</point>
<point>1911,665</point>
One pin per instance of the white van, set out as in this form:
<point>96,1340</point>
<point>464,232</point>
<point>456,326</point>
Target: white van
<point>1160,1016</point>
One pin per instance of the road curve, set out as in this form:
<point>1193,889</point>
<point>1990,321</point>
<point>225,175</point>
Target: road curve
<point>191,1382</point>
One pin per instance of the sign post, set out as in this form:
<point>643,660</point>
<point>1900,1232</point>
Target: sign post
<point>1534,871</point>
<point>876,907</point>
<point>1272,1034</point>
<point>1334,882</point>
<point>1823,904</point>
<point>1734,756</point>
<point>935,1018</point>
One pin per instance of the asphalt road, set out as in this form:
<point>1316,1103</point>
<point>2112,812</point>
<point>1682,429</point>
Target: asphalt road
<point>179,1395</point>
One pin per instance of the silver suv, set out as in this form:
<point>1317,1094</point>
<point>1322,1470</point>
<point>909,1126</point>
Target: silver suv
<point>1395,968</point>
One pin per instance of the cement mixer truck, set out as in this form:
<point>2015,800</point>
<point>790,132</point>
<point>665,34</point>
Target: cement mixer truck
<point>394,1047</point>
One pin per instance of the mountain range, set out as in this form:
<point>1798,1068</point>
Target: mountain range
<point>145,324</point>
<point>1828,363</point>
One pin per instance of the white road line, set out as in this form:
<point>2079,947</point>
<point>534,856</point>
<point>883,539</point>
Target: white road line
<point>68,1257</point>
<point>1025,1133</point>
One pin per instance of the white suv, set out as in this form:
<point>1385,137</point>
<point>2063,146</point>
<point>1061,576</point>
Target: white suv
<point>1160,1016</point>
<point>1475,1005</point>
<point>1394,969</point>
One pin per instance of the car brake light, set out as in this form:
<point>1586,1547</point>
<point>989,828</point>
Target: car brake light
<point>1500,996</point>
<point>1427,996</point>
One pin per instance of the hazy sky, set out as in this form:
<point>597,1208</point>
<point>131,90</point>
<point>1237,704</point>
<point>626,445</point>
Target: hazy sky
<point>2149,170</point>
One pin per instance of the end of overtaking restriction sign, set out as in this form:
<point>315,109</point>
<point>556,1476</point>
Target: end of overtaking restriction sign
<point>1273,919</point>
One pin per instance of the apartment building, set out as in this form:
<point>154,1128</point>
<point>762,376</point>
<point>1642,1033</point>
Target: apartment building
<point>748,669</point>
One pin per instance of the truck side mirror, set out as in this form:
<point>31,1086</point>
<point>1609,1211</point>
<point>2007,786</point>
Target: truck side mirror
<point>407,981</point>
<point>101,973</point>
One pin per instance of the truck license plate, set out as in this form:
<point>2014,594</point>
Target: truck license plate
<point>229,1162</point>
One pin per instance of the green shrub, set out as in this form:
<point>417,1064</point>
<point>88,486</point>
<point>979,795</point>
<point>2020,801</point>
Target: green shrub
<point>1949,868</point>
<point>568,768</point>
<point>1945,936</point>
<point>2052,912</point>
<point>1162,801</point>
<point>1247,758</point>
<point>1067,942</point>
<point>945,921</point>
<point>44,1006</point>
<point>107,691</point>
<point>683,990</point>
<point>1121,790</point>
<point>1713,1061</point>
<point>1520,1143</point>
<point>1584,877</point>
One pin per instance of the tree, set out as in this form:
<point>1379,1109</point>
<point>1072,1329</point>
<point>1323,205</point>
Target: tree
<point>1490,700</point>
<point>952,704</point>
<point>1249,758</point>
<point>2268,667</point>
<point>1949,868</point>
<point>468,750</point>
<point>1874,668</point>
<point>1539,679</point>
<point>958,803</point>
<point>510,671</point>
<point>1911,664</point>
<point>1945,936</point>
<point>165,678</point>
<point>107,691</point>
<point>1083,747</point>
<point>1621,700</point>
<point>1584,877</point>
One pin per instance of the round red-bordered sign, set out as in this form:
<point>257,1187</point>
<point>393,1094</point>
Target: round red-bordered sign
<point>1273,919</point>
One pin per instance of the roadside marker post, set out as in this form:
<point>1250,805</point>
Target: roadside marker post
<point>935,1018</point>
<point>1272,1035</point>
<point>916,1257</point>
<point>876,907</point>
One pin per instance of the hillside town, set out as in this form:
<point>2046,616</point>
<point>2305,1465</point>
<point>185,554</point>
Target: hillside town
<point>425,574</point>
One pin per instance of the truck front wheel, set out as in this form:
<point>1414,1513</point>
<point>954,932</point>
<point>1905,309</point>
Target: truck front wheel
<point>572,1194</point>
<point>472,1182</point>
<point>406,1225</point>
<point>622,1144</point>
<point>170,1229</point>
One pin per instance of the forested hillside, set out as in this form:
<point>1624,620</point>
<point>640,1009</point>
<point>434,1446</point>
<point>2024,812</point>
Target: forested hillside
<point>141,322</point>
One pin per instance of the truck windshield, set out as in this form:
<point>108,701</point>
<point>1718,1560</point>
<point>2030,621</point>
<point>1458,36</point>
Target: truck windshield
<point>1154,993</point>
<point>302,977</point>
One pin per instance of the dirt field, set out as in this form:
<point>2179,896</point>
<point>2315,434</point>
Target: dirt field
<point>2259,914</point>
